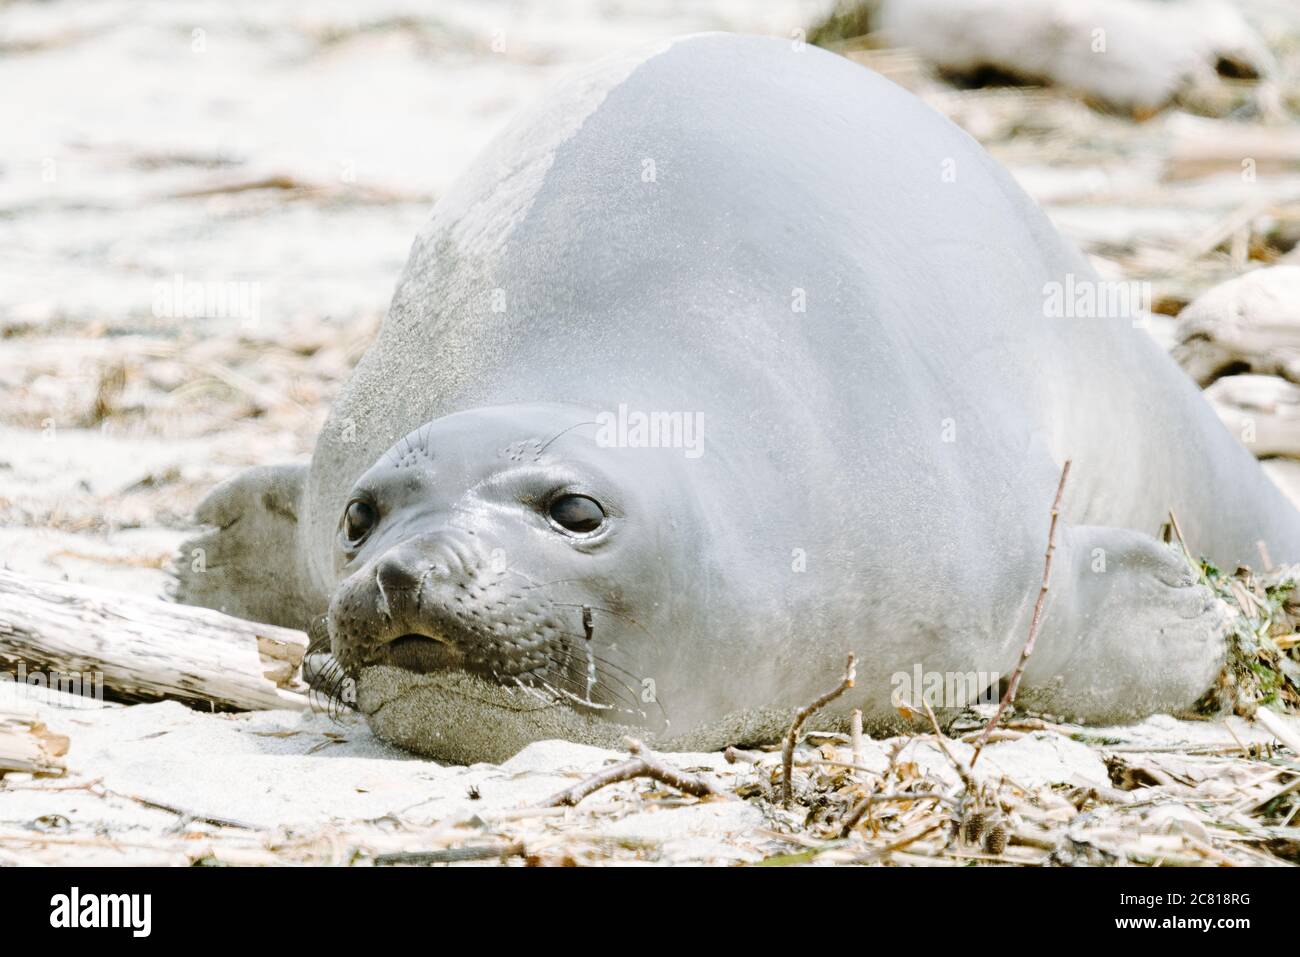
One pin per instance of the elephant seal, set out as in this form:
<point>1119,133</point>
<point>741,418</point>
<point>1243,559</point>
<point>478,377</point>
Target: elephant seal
<point>725,360</point>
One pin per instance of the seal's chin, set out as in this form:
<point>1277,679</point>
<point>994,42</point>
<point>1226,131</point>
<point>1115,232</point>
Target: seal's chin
<point>461,718</point>
<point>421,654</point>
<point>456,716</point>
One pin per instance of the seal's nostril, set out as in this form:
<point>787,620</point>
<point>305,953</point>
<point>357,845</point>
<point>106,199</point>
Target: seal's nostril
<point>395,574</point>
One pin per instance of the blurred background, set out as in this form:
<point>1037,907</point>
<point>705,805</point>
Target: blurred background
<point>204,206</point>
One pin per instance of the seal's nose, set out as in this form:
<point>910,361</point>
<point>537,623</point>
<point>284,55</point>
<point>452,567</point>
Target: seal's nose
<point>395,573</point>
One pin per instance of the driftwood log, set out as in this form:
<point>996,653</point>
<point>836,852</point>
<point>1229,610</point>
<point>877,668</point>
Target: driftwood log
<point>146,649</point>
<point>1240,341</point>
<point>1262,411</point>
<point>1201,149</point>
<point>27,745</point>
<point>1247,324</point>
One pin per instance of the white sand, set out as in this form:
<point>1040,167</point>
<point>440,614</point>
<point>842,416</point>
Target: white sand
<point>309,787</point>
<point>371,112</point>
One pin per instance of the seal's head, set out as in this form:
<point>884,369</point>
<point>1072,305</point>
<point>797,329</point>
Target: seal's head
<point>503,557</point>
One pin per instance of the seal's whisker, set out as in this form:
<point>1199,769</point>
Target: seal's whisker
<point>586,702</point>
<point>631,675</point>
<point>532,690</point>
<point>566,660</point>
<point>533,583</point>
<point>318,642</point>
<point>545,680</point>
<point>327,688</point>
<point>547,444</point>
<point>570,666</point>
<point>609,611</point>
<point>563,692</point>
<point>615,688</point>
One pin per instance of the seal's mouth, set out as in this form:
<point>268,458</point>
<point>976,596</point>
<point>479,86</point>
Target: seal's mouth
<point>422,654</point>
<point>483,625</point>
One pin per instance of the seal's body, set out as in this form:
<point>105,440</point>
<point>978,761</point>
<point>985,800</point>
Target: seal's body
<point>837,311</point>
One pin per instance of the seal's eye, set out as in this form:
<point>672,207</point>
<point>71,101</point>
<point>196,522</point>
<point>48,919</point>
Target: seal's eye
<point>577,513</point>
<point>358,520</point>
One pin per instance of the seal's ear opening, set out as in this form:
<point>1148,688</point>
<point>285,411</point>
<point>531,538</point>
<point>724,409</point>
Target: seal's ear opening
<point>246,563</point>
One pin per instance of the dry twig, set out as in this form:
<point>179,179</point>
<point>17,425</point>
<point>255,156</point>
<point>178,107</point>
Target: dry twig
<point>1034,622</point>
<point>643,765</point>
<point>802,715</point>
<point>871,800</point>
<point>452,855</point>
<point>941,739</point>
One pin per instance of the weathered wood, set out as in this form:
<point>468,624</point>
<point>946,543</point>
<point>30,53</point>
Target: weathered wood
<point>1201,149</point>
<point>146,649</point>
<point>1247,324</point>
<point>27,745</point>
<point>1280,728</point>
<point>1263,412</point>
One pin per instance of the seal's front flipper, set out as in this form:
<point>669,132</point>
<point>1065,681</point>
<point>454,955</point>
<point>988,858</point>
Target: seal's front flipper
<point>247,563</point>
<point>1128,630</point>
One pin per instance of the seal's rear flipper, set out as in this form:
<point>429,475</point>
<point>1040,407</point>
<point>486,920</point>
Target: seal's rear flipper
<point>1128,630</point>
<point>247,563</point>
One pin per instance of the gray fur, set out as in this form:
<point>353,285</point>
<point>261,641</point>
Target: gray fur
<point>829,511</point>
<point>248,562</point>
